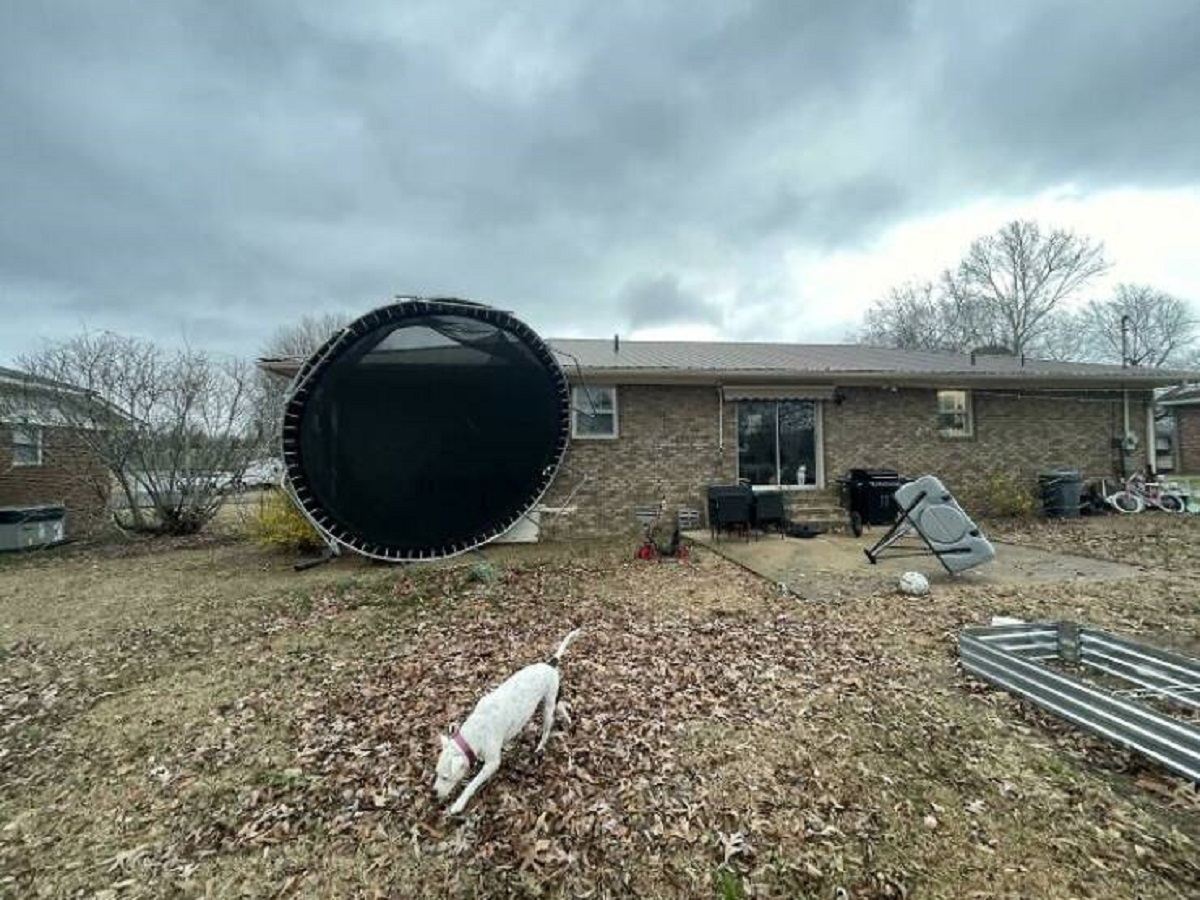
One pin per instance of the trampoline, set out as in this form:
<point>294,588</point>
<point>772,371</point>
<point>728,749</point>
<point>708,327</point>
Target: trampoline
<point>424,429</point>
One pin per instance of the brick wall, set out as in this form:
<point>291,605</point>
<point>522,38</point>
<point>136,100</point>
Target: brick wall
<point>669,449</point>
<point>1187,436</point>
<point>68,474</point>
<point>1014,434</point>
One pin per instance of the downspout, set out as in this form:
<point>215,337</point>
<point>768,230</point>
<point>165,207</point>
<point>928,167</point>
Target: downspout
<point>721,422</point>
<point>1125,391</point>
<point>1151,438</point>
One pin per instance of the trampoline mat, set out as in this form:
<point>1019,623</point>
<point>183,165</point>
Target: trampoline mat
<point>426,429</point>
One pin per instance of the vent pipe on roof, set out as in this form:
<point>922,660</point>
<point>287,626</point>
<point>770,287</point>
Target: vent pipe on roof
<point>616,343</point>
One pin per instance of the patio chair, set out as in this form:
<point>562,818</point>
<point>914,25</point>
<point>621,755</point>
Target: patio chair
<point>769,512</point>
<point>730,508</point>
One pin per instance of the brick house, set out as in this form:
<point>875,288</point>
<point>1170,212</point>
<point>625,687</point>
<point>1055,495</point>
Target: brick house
<point>1184,404</point>
<point>658,421</point>
<point>655,422</point>
<point>42,461</point>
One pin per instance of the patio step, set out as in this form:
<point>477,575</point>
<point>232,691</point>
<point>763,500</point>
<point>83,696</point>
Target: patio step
<point>828,518</point>
<point>812,498</point>
<point>817,508</point>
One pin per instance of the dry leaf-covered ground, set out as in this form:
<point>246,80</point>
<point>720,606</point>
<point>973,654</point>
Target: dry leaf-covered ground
<point>201,721</point>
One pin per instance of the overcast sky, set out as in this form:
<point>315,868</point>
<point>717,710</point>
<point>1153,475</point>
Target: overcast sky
<point>206,171</point>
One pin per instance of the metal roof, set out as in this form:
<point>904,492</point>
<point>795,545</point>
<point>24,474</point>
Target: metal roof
<point>1182,395</point>
<point>16,376</point>
<point>713,361</point>
<point>812,360</point>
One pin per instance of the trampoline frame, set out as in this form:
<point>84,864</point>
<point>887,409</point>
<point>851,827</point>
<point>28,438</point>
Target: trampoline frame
<point>336,535</point>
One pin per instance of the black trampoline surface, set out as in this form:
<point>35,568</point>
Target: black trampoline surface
<point>425,428</point>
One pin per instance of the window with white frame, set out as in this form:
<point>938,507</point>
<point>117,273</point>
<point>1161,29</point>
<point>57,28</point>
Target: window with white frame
<point>954,414</point>
<point>27,446</point>
<point>593,411</point>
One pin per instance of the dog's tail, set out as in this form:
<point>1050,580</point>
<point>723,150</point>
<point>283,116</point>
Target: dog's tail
<point>563,646</point>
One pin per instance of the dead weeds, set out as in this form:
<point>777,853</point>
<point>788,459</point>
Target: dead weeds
<point>237,729</point>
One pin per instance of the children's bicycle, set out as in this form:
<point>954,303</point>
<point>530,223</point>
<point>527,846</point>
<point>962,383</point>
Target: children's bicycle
<point>1139,495</point>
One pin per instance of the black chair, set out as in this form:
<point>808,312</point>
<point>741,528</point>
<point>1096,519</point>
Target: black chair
<point>769,512</point>
<point>730,508</point>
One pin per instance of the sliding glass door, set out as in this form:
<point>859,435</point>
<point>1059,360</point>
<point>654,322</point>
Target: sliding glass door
<point>778,442</point>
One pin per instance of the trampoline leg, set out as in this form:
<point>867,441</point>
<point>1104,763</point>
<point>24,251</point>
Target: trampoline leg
<point>306,564</point>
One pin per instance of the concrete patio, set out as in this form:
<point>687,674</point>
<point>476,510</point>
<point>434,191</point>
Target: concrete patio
<point>795,561</point>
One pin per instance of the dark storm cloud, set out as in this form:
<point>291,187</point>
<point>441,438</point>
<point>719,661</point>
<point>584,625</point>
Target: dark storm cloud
<point>165,168</point>
<point>1100,94</point>
<point>662,300</point>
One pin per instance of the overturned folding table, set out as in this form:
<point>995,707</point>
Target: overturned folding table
<point>929,509</point>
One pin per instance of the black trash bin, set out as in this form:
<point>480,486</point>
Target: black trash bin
<point>1061,492</point>
<point>869,497</point>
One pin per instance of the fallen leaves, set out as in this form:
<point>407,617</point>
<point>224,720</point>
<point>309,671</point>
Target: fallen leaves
<point>716,726</point>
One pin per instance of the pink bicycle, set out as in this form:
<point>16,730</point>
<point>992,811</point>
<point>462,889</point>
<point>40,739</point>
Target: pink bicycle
<point>1140,494</point>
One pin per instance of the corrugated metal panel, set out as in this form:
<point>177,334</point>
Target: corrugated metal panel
<point>815,361</point>
<point>1011,656</point>
<point>821,358</point>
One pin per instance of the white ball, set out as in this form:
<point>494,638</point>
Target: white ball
<point>914,584</point>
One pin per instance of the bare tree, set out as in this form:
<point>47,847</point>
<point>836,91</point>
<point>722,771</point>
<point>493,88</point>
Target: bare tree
<point>1010,290</point>
<point>913,316</point>
<point>172,429</point>
<point>302,337</point>
<point>295,341</point>
<point>1159,329</point>
<point>1017,279</point>
<point>1064,336</point>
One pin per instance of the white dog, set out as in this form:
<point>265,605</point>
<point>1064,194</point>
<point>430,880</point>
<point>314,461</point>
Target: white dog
<point>494,722</point>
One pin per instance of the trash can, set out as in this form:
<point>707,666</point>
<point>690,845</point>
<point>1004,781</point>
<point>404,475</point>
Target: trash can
<point>868,496</point>
<point>1061,493</point>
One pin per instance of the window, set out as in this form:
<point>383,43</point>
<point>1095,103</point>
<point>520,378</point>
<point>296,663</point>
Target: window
<point>27,446</point>
<point>954,414</point>
<point>777,442</point>
<point>593,412</point>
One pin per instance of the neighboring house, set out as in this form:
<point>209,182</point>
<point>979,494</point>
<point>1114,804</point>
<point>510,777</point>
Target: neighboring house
<point>655,422</point>
<point>1184,404</point>
<point>42,461</point>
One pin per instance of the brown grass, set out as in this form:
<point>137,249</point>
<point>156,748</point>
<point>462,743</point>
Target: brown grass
<point>201,720</point>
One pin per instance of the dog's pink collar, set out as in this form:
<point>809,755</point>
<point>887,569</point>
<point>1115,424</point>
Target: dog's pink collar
<point>464,747</point>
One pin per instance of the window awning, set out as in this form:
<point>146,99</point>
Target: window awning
<point>779,392</point>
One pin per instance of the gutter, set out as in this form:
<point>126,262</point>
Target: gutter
<point>1015,379</point>
<point>734,378</point>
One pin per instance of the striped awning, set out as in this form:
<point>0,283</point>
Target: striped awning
<point>779,392</point>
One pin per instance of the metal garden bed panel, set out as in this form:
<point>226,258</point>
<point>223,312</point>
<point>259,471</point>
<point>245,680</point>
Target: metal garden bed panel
<point>1013,657</point>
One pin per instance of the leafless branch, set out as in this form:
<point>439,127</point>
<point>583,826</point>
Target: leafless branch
<point>1160,328</point>
<point>298,340</point>
<point>173,430</point>
<point>1011,289</point>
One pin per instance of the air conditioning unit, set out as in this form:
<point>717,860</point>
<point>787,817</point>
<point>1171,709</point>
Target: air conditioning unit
<point>28,527</point>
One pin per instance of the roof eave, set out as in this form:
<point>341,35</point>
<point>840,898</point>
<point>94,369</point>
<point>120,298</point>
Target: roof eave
<point>1141,380</point>
<point>867,379</point>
